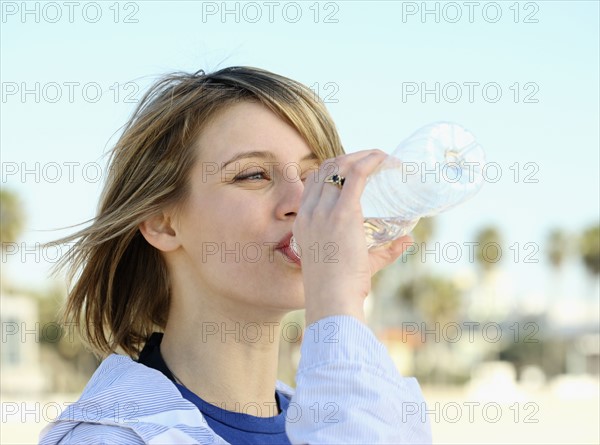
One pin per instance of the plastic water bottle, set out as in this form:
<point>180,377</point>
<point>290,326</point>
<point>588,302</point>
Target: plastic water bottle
<point>438,167</point>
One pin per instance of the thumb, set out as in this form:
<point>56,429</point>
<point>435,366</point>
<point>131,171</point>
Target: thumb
<point>386,254</point>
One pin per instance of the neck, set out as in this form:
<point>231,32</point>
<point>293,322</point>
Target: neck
<point>228,362</point>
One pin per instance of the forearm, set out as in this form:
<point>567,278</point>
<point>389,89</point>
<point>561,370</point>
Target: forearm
<point>349,391</point>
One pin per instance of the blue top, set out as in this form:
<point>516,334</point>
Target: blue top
<point>235,427</point>
<point>244,428</point>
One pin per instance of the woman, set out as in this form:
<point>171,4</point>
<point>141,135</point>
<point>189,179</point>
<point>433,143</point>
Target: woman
<point>207,183</point>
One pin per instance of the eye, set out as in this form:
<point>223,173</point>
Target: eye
<point>304,176</point>
<point>253,176</point>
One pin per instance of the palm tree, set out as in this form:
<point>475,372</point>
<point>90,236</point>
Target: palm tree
<point>589,249</point>
<point>557,248</point>
<point>419,280</point>
<point>12,217</point>
<point>405,270</point>
<point>12,221</point>
<point>437,301</point>
<point>421,233</point>
<point>487,254</point>
<point>436,298</point>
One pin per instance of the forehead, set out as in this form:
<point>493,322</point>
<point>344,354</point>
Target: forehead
<point>250,126</point>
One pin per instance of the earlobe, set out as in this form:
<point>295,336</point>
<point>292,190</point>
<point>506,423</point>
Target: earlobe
<point>158,231</point>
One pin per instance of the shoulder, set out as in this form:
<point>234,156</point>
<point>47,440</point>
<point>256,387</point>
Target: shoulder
<point>120,375</point>
<point>90,433</point>
<point>127,402</point>
<point>124,391</point>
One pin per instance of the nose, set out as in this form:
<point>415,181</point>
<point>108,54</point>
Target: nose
<point>289,198</point>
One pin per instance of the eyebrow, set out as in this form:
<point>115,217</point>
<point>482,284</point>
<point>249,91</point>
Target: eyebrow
<point>268,155</point>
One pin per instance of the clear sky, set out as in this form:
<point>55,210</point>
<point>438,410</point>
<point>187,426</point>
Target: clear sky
<point>522,76</point>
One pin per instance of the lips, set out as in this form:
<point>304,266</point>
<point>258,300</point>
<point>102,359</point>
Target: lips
<point>285,241</point>
<point>286,250</point>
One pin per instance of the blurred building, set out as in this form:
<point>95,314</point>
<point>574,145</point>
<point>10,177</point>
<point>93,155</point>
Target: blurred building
<point>21,368</point>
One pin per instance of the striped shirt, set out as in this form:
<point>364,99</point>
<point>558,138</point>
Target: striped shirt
<point>348,390</point>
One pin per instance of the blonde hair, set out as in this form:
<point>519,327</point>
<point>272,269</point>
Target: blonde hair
<point>119,286</point>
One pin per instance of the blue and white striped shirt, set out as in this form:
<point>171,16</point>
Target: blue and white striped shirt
<point>347,391</point>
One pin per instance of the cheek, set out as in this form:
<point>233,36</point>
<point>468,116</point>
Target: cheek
<point>227,224</point>
<point>206,213</point>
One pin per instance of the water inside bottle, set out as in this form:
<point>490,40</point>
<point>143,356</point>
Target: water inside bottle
<point>384,221</point>
<point>379,231</point>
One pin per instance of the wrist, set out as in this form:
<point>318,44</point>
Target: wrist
<point>326,308</point>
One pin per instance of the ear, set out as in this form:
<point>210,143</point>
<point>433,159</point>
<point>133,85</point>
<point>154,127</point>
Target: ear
<point>159,232</point>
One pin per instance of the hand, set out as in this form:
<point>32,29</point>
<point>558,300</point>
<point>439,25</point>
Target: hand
<point>336,265</point>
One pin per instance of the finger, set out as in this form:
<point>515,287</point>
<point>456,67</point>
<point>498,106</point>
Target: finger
<point>314,184</point>
<point>339,164</point>
<point>383,256</point>
<point>330,193</point>
<point>397,245</point>
<point>356,178</point>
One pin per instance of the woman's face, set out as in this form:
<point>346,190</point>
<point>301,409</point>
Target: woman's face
<point>245,190</point>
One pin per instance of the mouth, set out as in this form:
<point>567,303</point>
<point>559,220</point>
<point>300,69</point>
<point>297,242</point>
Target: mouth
<point>285,249</point>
